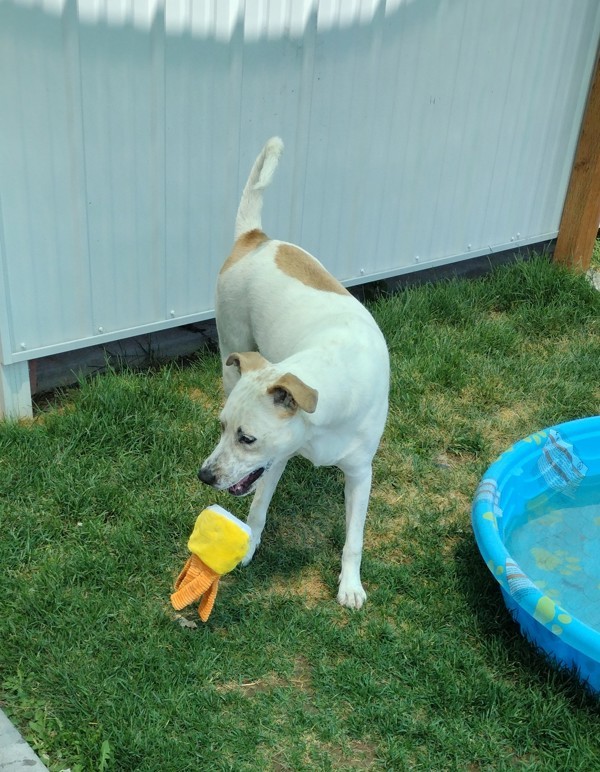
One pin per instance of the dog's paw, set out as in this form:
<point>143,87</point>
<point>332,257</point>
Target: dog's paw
<point>351,595</point>
<point>250,554</point>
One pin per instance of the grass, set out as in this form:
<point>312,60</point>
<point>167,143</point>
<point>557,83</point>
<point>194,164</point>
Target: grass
<point>596,255</point>
<point>97,498</point>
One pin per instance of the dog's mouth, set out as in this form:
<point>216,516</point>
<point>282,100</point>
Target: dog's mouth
<point>244,486</point>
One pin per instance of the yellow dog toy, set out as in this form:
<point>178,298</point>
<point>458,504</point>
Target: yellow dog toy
<point>218,542</point>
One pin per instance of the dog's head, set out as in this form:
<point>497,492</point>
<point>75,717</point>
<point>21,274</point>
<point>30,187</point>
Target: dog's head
<point>263,421</point>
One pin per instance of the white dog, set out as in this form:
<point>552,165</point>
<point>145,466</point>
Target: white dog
<point>319,386</point>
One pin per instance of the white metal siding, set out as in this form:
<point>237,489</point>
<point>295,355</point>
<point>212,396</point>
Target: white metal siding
<point>417,133</point>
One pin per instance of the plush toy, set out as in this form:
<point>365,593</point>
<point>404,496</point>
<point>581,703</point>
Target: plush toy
<point>218,542</point>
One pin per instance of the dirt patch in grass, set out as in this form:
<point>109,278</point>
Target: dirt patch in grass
<point>308,585</point>
<point>267,683</point>
<point>209,402</point>
<point>353,754</point>
<point>509,420</point>
<point>509,415</point>
<point>411,503</point>
<point>389,495</point>
<point>302,676</point>
<point>301,680</point>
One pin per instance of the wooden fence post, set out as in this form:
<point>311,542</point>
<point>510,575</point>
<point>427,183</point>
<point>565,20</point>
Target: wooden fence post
<point>581,213</point>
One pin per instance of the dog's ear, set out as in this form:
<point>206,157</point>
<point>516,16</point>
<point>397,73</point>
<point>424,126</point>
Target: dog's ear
<point>292,393</point>
<point>251,360</point>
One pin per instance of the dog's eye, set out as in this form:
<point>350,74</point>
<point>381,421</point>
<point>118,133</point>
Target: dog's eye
<point>245,439</point>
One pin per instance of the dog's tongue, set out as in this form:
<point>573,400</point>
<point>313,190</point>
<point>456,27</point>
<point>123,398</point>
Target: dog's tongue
<point>242,487</point>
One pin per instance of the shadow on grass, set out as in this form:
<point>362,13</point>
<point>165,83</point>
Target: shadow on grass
<point>305,520</point>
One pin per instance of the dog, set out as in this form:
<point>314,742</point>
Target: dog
<point>305,372</point>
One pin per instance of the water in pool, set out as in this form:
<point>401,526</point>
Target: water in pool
<point>556,542</point>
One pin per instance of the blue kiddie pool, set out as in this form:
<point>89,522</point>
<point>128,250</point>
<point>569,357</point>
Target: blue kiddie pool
<point>536,517</point>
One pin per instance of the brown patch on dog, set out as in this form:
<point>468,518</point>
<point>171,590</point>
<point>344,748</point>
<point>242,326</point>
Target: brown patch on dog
<point>301,266</point>
<point>250,360</point>
<point>245,244</point>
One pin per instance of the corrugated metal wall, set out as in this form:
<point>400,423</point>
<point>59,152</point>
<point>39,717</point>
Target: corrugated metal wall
<point>417,132</point>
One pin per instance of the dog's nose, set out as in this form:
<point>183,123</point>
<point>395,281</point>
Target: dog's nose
<point>206,475</point>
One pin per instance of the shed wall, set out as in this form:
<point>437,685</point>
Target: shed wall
<point>418,132</point>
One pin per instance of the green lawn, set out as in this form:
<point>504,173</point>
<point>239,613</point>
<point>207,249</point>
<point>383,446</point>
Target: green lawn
<point>97,498</point>
<point>596,255</point>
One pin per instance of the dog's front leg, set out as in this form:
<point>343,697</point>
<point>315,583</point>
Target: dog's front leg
<point>260,504</point>
<point>357,491</point>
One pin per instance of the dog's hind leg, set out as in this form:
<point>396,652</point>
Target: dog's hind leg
<point>357,491</point>
<point>260,504</point>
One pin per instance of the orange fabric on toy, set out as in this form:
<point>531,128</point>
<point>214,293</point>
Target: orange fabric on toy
<point>196,581</point>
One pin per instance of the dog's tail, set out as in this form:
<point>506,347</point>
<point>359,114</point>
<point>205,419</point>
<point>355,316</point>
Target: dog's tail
<point>248,216</point>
